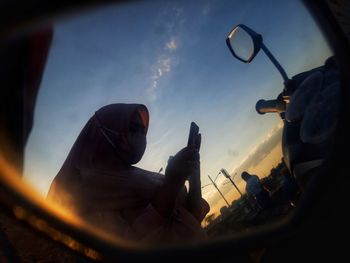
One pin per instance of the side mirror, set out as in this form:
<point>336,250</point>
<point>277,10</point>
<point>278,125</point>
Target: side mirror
<point>244,43</point>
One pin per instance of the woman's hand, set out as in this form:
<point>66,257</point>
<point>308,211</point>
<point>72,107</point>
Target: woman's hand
<point>178,170</point>
<point>181,166</point>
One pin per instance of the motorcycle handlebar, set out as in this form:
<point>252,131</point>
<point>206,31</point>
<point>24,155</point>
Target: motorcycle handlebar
<point>266,106</point>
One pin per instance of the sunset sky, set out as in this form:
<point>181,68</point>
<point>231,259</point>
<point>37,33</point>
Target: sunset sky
<point>172,57</point>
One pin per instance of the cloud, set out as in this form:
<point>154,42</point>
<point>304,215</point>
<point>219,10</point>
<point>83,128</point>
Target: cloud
<point>162,67</point>
<point>165,64</point>
<point>169,34</point>
<point>260,151</point>
<point>171,45</point>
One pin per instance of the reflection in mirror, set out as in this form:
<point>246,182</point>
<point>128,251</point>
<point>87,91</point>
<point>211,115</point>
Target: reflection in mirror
<point>117,99</point>
<point>242,44</point>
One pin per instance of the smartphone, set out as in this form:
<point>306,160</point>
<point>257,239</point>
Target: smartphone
<point>193,136</point>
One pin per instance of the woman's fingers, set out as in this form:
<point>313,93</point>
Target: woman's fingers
<point>182,165</point>
<point>188,154</point>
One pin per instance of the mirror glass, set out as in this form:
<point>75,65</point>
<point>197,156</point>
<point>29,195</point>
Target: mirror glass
<point>242,44</point>
<point>162,65</point>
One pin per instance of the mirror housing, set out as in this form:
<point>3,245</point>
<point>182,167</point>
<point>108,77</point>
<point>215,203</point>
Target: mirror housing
<point>245,33</point>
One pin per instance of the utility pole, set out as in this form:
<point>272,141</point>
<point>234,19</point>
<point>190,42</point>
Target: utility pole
<point>226,174</point>
<point>217,188</point>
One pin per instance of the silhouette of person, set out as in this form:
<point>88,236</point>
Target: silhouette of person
<point>255,189</point>
<point>99,182</point>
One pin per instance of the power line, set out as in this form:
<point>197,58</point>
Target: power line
<point>217,176</point>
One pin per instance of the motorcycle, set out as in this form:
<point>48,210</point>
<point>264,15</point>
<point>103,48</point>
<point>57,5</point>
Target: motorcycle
<point>309,105</point>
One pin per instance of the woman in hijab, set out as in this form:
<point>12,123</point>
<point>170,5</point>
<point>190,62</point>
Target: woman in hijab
<point>99,182</point>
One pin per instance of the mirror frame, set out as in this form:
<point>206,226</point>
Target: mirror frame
<point>257,42</point>
<point>17,16</point>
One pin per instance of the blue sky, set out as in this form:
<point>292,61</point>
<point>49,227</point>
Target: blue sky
<point>172,57</point>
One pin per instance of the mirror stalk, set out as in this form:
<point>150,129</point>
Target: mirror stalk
<point>275,62</point>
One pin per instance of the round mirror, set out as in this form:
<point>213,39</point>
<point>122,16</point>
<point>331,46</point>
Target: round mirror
<point>158,73</point>
<point>242,44</point>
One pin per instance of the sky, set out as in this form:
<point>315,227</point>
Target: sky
<point>172,57</point>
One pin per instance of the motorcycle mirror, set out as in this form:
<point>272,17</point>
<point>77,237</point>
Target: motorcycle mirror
<point>244,43</point>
